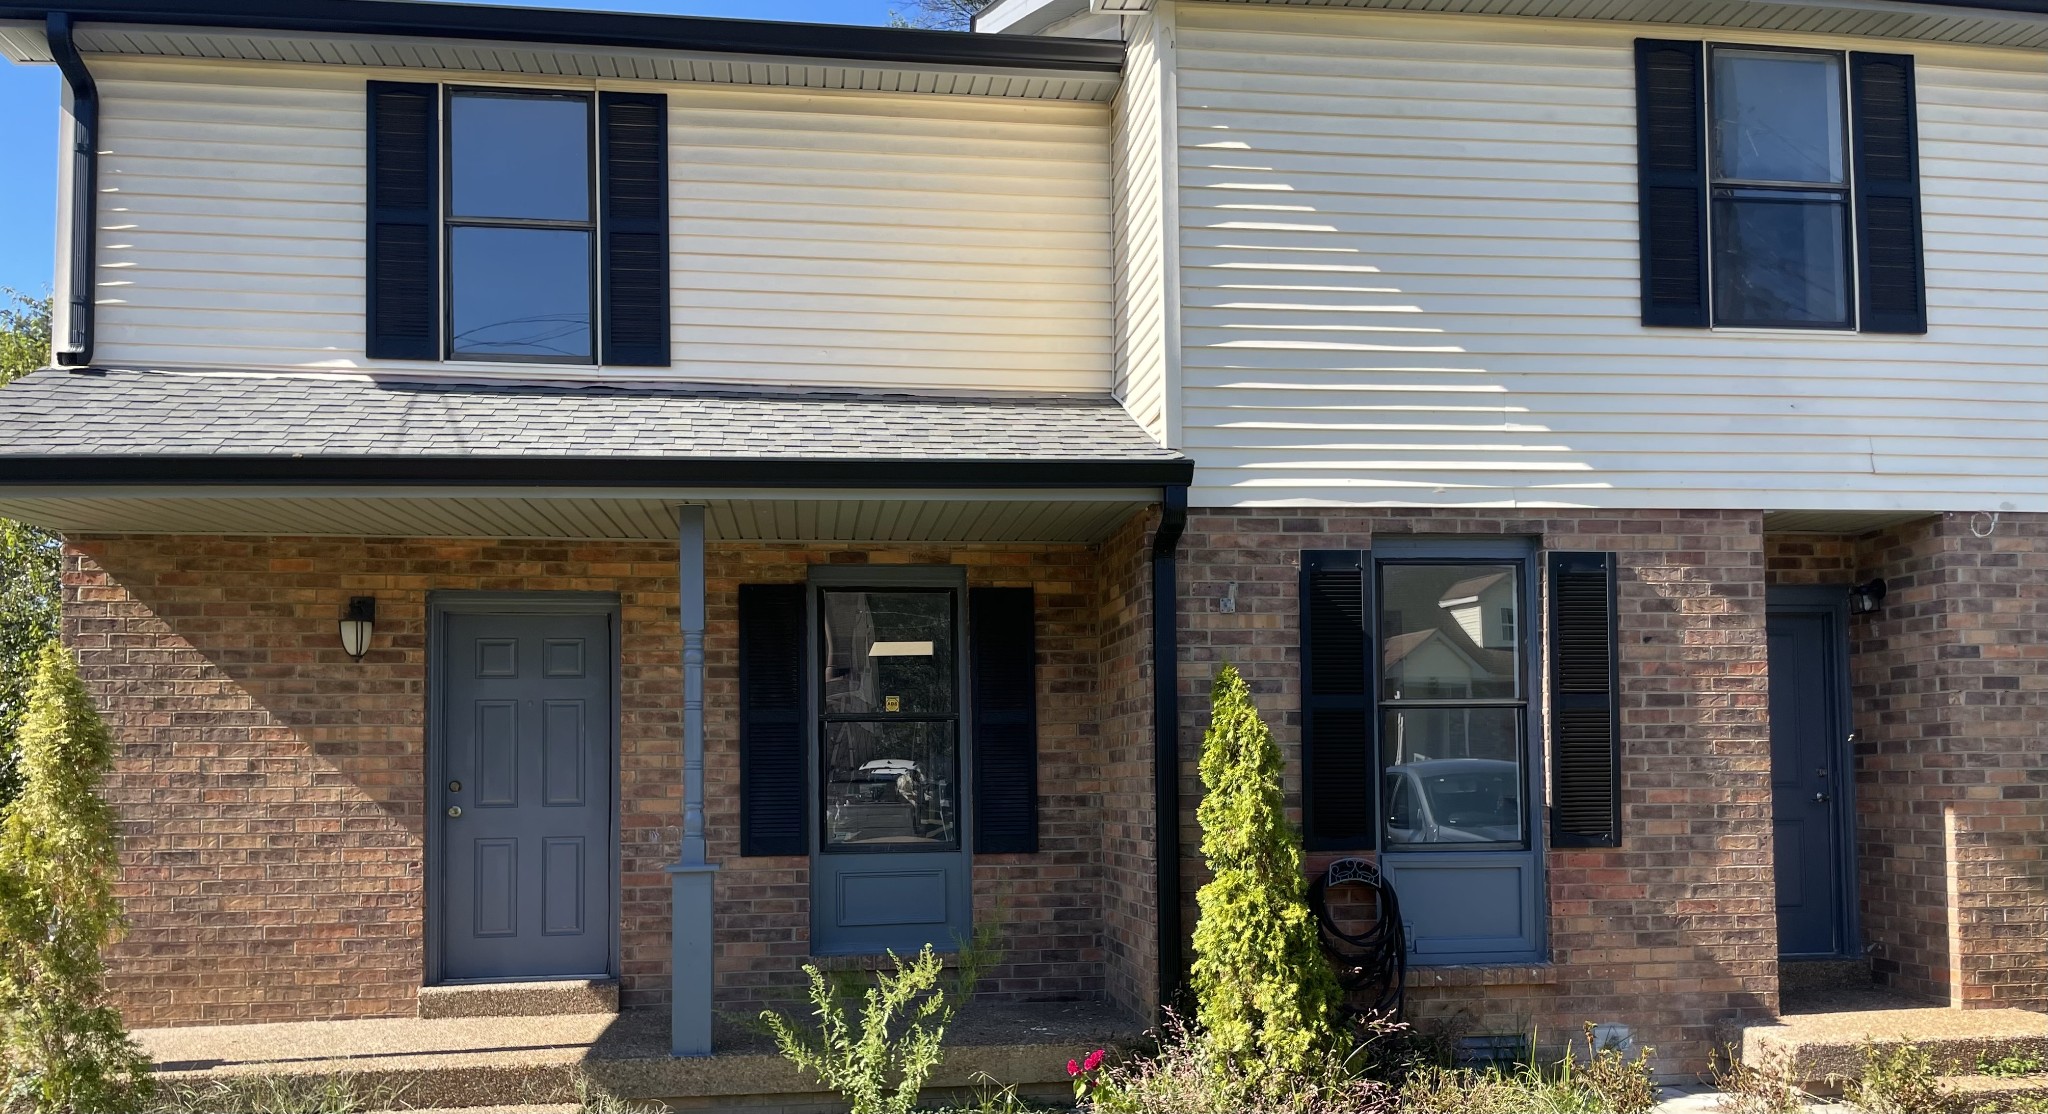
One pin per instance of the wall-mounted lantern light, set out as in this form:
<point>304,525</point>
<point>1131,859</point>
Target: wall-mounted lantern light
<point>358,625</point>
<point>1867,597</point>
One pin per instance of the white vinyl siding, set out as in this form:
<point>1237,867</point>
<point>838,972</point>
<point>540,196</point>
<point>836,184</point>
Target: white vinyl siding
<point>818,238</point>
<point>1142,182</point>
<point>1410,278</point>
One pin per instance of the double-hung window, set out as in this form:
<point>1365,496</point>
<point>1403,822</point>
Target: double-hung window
<point>1778,188</point>
<point>1780,173</point>
<point>521,227</point>
<point>516,226</point>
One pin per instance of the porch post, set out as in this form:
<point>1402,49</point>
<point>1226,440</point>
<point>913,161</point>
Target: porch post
<point>690,878</point>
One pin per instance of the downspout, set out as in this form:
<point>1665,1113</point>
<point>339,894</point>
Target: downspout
<point>76,347</point>
<point>1173,518</point>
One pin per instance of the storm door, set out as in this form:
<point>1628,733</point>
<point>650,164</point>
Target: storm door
<point>890,851</point>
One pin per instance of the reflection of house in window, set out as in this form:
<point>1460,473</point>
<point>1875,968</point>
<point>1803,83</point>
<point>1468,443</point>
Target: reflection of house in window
<point>1475,601</point>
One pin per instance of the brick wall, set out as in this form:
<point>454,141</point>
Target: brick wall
<point>1674,933</point>
<point>1950,687</point>
<point>1129,885</point>
<point>271,789</point>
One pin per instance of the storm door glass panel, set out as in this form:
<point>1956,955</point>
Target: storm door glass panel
<point>521,234</point>
<point>1780,216</point>
<point>1452,706</point>
<point>890,733</point>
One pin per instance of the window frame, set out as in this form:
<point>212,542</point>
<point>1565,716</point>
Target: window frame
<point>1522,556</point>
<point>822,718</point>
<point>590,225</point>
<point>1715,183</point>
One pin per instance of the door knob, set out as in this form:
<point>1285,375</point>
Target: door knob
<point>454,811</point>
<point>1820,798</point>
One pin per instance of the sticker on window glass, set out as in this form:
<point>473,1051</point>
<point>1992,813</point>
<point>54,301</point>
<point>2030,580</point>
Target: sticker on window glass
<point>892,703</point>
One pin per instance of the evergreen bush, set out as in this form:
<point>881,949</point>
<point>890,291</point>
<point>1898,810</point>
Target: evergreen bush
<point>63,1049</point>
<point>1265,995</point>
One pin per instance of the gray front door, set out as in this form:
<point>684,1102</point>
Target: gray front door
<point>891,868</point>
<point>524,796</point>
<point>1808,779</point>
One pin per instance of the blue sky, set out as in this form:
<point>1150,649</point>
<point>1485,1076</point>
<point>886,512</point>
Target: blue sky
<point>28,123</point>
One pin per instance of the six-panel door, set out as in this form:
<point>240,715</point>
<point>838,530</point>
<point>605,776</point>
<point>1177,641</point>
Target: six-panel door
<point>524,799</point>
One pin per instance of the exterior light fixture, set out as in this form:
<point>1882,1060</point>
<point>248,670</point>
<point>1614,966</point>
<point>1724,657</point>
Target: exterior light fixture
<point>358,625</point>
<point>1867,597</point>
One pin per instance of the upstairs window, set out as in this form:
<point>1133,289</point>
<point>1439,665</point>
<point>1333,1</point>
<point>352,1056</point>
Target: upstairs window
<point>521,232</point>
<point>516,226</point>
<point>1780,218</point>
<point>1778,188</point>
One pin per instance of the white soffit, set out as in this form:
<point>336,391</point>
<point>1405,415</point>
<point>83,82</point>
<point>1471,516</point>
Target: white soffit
<point>24,42</point>
<point>995,517</point>
<point>1878,19</point>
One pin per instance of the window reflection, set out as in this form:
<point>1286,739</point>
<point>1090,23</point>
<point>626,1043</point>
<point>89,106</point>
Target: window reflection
<point>1449,631</point>
<point>1451,733</point>
<point>890,743</point>
<point>889,783</point>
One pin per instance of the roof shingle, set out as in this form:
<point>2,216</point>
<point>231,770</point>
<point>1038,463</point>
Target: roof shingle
<point>156,413</point>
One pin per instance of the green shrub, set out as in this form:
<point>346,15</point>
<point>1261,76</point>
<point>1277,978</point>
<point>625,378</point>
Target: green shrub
<point>277,1094</point>
<point>1609,1081</point>
<point>1265,995</point>
<point>66,1051</point>
<point>2010,1064</point>
<point>1189,1075</point>
<point>1900,1079</point>
<point>1769,1088</point>
<point>879,1066</point>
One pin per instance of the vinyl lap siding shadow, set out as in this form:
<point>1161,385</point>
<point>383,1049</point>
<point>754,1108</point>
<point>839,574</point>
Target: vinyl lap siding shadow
<point>1141,184</point>
<point>818,238</point>
<point>1409,249</point>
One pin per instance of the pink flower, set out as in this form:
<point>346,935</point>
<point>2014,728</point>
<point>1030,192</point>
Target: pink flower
<point>1094,1060</point>
<point>1073,1067</point>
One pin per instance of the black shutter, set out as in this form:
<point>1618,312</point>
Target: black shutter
<point>1584,703</point>
<point>1671,180</point>
<point>1337,707</point>
<point>1004,657</point>
<point>403,263</point>
<point>633,130</point>
<point>1889,273</point>
<point>772,774</point>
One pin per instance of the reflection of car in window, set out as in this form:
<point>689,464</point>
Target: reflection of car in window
<point>887,800</point>
<point>1454,800</point>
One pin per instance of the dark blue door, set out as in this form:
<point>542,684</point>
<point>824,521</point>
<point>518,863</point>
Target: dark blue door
<point>1807,742</point>
<point>524,800</point>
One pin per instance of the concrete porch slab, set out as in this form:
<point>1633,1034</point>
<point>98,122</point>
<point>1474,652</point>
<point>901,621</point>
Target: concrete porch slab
<point>471,1062</point>
<point>1820,1045</point>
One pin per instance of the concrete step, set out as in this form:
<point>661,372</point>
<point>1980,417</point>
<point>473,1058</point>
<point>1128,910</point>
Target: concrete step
<point>1999,1093</point>
<point>1818,1047</point>
<point>551,998</point>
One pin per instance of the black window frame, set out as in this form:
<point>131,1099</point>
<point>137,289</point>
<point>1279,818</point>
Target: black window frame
<point>589,226</point>
<point>1530,758</point>
<point>1716,184</point>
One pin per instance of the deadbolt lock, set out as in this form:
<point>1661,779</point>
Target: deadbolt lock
<point>454,811</point>
<point>455,787</point>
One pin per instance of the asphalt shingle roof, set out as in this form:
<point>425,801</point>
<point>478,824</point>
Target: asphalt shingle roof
<point>156,413</point>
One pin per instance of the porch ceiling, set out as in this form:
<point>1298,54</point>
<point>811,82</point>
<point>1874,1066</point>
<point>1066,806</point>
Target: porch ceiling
<point>1836,522</point>
<point>1047,517</point>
